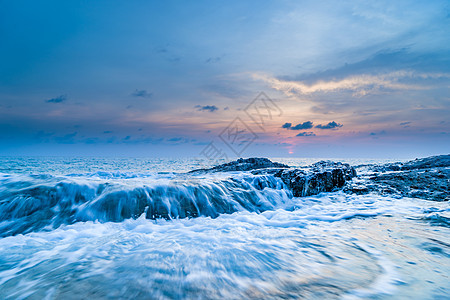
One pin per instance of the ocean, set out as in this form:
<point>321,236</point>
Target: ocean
<point>141,228</point>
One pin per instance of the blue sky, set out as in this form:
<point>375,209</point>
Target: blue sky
<point>166,79</point>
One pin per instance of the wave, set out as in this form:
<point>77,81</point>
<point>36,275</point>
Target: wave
<point>437,220</point>
<point>30,203</point>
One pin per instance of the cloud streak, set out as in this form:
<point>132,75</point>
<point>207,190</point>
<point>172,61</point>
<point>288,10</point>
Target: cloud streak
<point>141,94</point>
<point>209,108</point>
<point>306,134</point>
<point>359,85</point>
<point>58,99</point>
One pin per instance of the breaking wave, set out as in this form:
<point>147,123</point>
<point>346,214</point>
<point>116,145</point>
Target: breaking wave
<point>29,203</point>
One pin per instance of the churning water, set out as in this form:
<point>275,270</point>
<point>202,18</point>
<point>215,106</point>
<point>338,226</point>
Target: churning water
<point>91,228</point>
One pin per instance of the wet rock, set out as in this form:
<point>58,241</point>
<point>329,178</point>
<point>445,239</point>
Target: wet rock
<point>426,178</point>
<point>242,164</point>
<point>324,176</point>
<point>386,167</point>
<point>428,184</point>
<point>440,161</point>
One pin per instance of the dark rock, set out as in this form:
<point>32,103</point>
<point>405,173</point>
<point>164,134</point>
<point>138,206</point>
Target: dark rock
<point>426,178</point>
<point>440,161</point>
<point>358,189</point>
<point>242,164</point>
<point>388,167</point>
<point>324,176</point>
<point>429,185</point>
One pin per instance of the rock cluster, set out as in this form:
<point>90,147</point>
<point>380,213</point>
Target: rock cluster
<point>324,176</point>
<point>426,178</point>
<point>440,161</point>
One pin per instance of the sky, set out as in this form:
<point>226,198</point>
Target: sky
<point>362,79</point>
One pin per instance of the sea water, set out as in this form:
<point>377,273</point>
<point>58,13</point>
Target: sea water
<point>103,228</point>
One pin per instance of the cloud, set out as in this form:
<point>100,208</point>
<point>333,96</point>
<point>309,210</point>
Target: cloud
<point>180,140</point>
<point>58,99</point>
<point>210,108</point>
<point>300,126</point>
<point>376,134</point>
<point>306,134</point>
<point>382,62</point>
<point>161,50</point>
<point>331,125</point>
<point>141,94</point>
<point>305,125</point>
<point>213,59</point>
<point>359,85</point>
<point>177,139</point>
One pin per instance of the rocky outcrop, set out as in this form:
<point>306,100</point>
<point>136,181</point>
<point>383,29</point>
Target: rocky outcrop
<point>426,178</point>
<point>324,176</point>
<point>242,164</point>
<point>440,161</point>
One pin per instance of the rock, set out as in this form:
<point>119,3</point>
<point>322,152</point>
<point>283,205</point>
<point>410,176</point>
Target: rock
<point>387,167</point>
<point>324,176</point>
<point>426,178</point>
<point>358,189</point>
<point>440,161</point>
<point>242,164</point>
<point>429,184</point>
